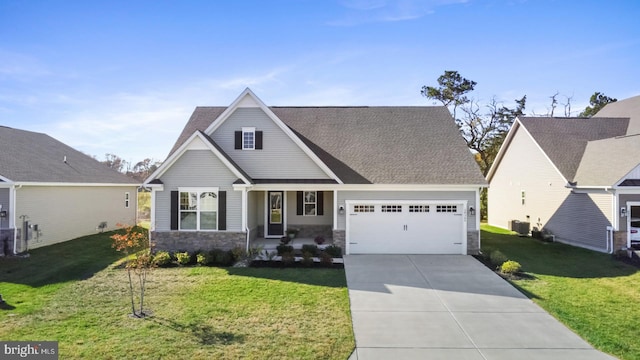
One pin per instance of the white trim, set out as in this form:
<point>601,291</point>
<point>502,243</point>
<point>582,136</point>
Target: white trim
<point>304,203</point>
<point>615,212</point>
<point>65,184</point>
<point>237,103</point>
<point>199,190</point>
<point>629,205</point>
<point>245,208</point>
<point>5,180</point>
<point>335,210</point>
<point>251,130</point>
<point>462,203</point>
<point>182,149</point>
<point>12,218</point>
<point>363,187</point>
<point>152,226</point>
<point>478,212</point>
<point>635,168</point>
<point>285,213</point>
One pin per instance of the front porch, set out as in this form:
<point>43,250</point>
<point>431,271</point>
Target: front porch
<point>270,244</point>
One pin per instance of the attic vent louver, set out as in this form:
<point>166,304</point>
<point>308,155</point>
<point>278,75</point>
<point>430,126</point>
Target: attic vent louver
<point>65,159</point>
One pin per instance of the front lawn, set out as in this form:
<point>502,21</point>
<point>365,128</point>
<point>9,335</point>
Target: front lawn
<point>595,295</point>
<point>72,293</point>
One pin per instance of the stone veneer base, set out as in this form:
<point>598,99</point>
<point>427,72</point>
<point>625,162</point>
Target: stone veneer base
<point>198,240</point>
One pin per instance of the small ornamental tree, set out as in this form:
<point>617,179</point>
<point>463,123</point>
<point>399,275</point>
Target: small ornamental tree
<point>134,243</point>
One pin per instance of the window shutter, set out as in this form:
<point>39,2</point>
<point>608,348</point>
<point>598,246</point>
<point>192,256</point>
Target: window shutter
<point>238,142</point>
<point>258,140</point>
<point>299,203</point>
<point>222,210</point>
<point>175,201</point>
<point>320,203</point>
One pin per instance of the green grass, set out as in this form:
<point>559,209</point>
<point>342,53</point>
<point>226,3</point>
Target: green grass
<point>595,295</point>
<point>73,294</point>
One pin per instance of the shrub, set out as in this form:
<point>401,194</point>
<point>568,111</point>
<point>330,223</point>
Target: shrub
<point>334,251</point>
<point>510,267</point>
<point>497,258</point>
<point>221,257</point>
<point>183,258</point>
<point>288,258</point>
<point>204,258</point>
<point>326,259</point>
<point>307,259</point>
<point>310,248</point>
<point>285,240</point>
<point>162,259</point>
<point>284,249</point>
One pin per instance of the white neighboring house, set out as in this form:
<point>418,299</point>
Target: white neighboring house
<point>50,192</point>
<point>372,180</point>
<point>579,178</point>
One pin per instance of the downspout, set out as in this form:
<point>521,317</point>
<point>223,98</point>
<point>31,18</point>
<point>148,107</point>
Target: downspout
<point>245,209</point>
<point>12,206</point>
<point>609,240</point>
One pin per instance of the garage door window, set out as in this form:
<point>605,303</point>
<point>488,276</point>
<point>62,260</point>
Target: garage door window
<point>446,208</point>
<point>391,208</point>
<point>363,208</point>
<point>418,208</point>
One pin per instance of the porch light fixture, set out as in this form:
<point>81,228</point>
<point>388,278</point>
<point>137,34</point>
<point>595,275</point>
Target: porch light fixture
<point>623,211</point>
<point>472,210</point>
<point>341,209</point>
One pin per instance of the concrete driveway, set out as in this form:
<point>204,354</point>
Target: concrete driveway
<point>449,307</point>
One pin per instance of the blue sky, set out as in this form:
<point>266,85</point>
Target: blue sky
<point>123,77</point>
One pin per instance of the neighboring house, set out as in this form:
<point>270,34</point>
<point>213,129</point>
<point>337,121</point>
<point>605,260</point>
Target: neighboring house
<point>369,179</point>
<point>51,193</point>
<point>578,178</point>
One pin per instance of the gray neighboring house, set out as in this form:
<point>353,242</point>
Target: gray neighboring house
<point>50,192</point>
<point>369,179</point>
<point>579,178</point>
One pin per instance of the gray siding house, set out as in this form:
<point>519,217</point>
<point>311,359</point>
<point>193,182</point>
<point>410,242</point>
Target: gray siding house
<point>50,192</point>
<point>578,178</point>
<point>368,179</point>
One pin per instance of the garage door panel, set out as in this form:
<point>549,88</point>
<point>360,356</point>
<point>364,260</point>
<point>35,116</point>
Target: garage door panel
<point>406,229</point>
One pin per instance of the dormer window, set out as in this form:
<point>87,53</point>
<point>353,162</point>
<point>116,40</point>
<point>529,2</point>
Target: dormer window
<point>248,138</point>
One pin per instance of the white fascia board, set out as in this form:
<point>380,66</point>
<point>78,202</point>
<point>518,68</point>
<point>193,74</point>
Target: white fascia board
<point>261,105</point>
<point>27,183</point>
<point>5,180</point>
<point>182,149</point>
<point>626,176</point>
<point>588,189</point>
<point>363,187</point>
<point>624,190</point>
<point>503,149</point>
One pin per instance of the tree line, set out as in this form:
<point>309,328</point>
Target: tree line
<point>140,170</point>
<point>485,126</point>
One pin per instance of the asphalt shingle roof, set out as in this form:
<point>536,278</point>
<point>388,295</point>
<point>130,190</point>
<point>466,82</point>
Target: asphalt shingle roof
<point>624,108</point>
<point>564,140</point>
<point>383,145</point>
<point>27,156</point>
<point>607,161</point>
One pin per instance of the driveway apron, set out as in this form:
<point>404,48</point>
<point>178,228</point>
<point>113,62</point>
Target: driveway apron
<point>449,307</point>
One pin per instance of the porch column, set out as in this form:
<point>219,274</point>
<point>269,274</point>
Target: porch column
<point>335,210</point>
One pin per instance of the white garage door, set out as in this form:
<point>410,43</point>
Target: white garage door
<point>406,227</point>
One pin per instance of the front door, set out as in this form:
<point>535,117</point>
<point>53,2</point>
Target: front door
<point>275,226</point>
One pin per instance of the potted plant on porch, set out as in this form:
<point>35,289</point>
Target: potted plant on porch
<point>292,233</point>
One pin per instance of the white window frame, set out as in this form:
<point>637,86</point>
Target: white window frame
<point>198,190</point>
<point>305,203</point>
<point>252,145</point>
<point>127,199</point>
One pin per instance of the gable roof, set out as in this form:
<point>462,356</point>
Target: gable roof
<point>27,156</point>
<point>606,162</point>
<point>564,140</point>
<point>382,145</point>
<point>624,108</point>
